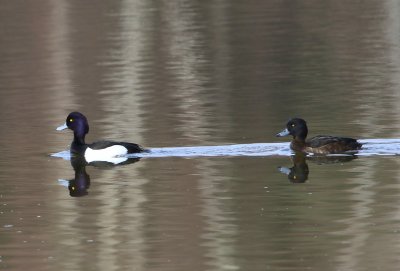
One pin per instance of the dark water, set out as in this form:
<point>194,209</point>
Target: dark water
<point>173,74</point>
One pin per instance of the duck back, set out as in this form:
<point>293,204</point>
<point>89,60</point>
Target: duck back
<point>131,147</point>
<point>331,144</point>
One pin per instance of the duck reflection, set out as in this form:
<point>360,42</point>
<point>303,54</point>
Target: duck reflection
<point>299,172</point>
<point>79,185</point>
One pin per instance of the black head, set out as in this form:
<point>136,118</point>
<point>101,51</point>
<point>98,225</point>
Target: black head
<point>296,127</point>
<point>78,123</point>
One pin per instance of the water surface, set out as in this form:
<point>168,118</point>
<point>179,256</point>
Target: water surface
<point>206,87</point>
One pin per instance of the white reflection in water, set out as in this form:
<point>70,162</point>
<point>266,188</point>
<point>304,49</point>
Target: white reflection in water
<point>371,147</point>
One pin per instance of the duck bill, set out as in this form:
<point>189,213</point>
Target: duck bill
<point>62,127</point>
<point>283,133</point>
<point>283,170</point>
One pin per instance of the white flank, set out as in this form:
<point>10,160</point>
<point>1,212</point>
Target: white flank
<point>111,154</point>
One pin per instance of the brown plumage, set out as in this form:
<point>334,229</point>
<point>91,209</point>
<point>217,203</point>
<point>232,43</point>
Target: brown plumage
<point>321,144</point>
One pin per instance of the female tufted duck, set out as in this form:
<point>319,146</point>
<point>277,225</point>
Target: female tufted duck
<point>321,144</point>
<point>101,150</point>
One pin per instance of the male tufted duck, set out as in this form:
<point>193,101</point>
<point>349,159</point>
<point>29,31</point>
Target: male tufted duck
<point>97,151</point>
<point>321,144</point>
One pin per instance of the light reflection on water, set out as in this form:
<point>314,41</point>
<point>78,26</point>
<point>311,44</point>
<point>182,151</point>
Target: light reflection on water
<point>215,77</point>
<point>371,147</point>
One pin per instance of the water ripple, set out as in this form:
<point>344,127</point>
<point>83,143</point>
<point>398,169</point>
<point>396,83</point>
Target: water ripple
<point>371,147</point>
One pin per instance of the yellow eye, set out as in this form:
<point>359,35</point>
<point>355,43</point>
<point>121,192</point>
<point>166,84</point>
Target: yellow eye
<point>71,120</point>
<point>293,125</point>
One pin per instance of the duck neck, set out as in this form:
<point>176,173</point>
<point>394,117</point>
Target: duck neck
<point>79,139</point>
<point>78,145</point>
<point>297,144</point>
<point>301,135</point>
<point>299,138</point>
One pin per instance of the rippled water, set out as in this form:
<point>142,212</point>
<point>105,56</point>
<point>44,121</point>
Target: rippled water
<point>370,147</point>
<point>204,86</point>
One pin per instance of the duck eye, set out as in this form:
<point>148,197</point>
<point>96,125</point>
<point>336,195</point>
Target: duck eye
<point>293,124</point>
<point>71,120</point>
